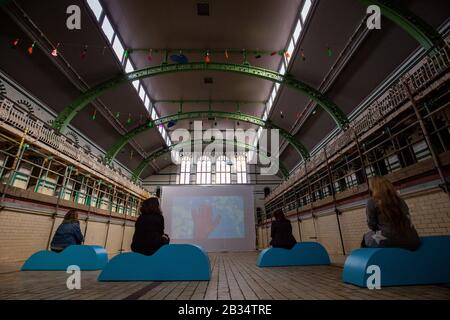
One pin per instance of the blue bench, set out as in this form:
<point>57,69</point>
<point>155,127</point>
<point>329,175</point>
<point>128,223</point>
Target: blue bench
<point>302,254</point>
<point>430,264</point>
<point>85,257</point>
<point>174,262</point>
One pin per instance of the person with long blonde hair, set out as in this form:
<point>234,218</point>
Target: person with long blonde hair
<point>388,218</point>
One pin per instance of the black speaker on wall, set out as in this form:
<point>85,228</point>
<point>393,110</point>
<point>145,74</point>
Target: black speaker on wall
<point>158,192</point>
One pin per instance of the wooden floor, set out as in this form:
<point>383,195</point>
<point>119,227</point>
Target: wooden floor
<point>234,276</point>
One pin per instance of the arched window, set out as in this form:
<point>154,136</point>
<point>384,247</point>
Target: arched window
<point>204,170</point>
<point>185,172</point>
<point>223,170</point>
<point>241,169</point>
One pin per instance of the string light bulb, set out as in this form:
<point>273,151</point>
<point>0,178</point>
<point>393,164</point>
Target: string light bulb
<point>207,57</point>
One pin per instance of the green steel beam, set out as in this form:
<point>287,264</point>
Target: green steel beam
<point>140,169</point>
<point>65,117</point>
<point>115,149</point>
<point>425,34</point>
<point>220,51</point>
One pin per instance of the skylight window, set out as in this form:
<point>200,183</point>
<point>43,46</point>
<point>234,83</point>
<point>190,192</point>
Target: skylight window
<point>305,9</point>
<point>291,49</point>
<point>136,85</point>
<point>154,115</point>
<point>142,93</point>
<point>147,103</point>
<point>282,69</point>
<point>274,93</point>
<point>297,32</point>
<point>108,29</point>
<point>118,48</point>
<point>96,8</point>
<point>129,66</point>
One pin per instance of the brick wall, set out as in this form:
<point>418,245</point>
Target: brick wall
<point>23,233</point>
<point>430,213</point>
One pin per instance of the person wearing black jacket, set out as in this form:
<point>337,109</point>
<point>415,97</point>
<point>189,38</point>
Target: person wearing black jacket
<point>149,229</point>
<point>281,232</point>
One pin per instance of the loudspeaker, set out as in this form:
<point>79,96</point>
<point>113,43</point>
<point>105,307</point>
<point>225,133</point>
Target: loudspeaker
<point>266,192</point>
<point>158,192</point>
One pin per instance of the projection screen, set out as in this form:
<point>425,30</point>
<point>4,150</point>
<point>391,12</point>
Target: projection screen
<point>217,218</point>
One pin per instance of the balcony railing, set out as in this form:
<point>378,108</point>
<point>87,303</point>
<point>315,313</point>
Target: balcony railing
<point>417,78</point>
<point>39,130</point>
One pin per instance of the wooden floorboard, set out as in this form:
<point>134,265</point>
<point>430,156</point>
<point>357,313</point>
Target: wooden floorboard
<point>234,276</point>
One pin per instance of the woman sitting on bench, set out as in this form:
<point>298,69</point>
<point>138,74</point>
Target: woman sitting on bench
<point>281,232</point>
<point>149,229</point>
<point>68,232</point>
<point>388,218</point>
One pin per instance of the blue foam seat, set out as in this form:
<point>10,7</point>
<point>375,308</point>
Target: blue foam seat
<point>430,264</point>
<point>85,257</point>
<point>173,262</point>
<point>302,254</point>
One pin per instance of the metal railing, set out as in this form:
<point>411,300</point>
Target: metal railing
<point>39,130</point>
<point>417,78</point>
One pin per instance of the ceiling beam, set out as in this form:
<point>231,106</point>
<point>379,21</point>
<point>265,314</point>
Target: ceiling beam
<point>70,111</point>
<point>236,102</point>
<point>426,35</point>
<point>115,149</point>
<point>140,169</point>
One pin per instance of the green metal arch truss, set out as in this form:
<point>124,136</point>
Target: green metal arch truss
<point>65,117</point>
<point>138,171</point>
<point>115,149</point>
<point>425,34</point>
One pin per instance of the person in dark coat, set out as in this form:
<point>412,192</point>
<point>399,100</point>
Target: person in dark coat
<point>281,232</point>
<point>149,229</point>
<point>68,233</point>
<point>388,218</point>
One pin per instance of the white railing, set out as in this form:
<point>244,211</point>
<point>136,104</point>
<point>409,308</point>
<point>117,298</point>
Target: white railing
<point>417,78</point>
<point>40,131</point>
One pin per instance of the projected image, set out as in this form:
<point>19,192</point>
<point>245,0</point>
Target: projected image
<point>216,217</point>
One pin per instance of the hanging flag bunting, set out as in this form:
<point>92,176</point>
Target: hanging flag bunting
<point>287,55</point>
<point>129,118</point>
<point>329,51</point>
<point>84,52</point>
<point>31,48</point>
<point>273,53</point>
<point>15,43</point>
<point>302,54</point>
<point>207,57</point>
<point>258,55</point>
<point>150,55</point>
<point>55,51</point>
<point>94,115</point>
<point>117,115</point>
<point>281,115</point>
<point>126,54</point>
<point>226,54</point>
<point>131,154</point>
